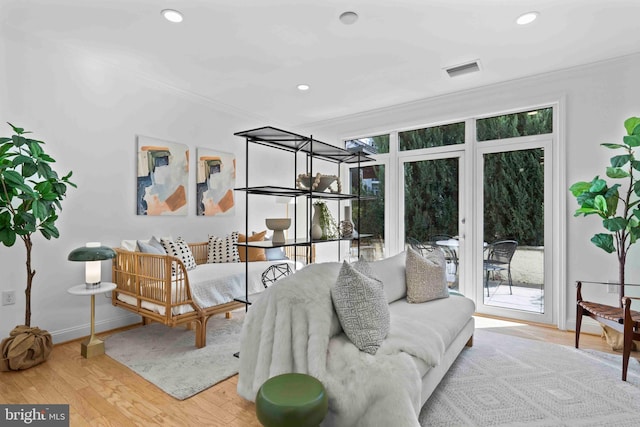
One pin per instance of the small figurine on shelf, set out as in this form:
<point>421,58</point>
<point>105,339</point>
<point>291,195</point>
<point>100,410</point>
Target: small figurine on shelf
<point>347,229</point>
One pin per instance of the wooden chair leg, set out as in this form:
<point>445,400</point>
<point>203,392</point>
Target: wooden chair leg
<point>626,351</point>
<point>201,337</point>
<point>628,336</point>
<point>579,313</point>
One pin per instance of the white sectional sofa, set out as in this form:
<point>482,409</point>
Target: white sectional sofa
<point>293,327</point>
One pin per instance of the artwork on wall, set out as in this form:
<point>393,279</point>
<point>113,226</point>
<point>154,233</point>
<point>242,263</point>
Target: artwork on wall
<point>215,180</point>
<point>163,176</point>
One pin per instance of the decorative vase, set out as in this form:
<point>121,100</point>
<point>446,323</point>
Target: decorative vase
<point>347,229</point>
<point>316,229</point>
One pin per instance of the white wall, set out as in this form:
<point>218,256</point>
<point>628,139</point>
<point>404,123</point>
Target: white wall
<point>88,113</point>
<point>595,101</point>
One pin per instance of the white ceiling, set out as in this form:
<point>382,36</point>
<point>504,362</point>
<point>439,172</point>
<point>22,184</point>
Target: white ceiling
<point>251,54</point>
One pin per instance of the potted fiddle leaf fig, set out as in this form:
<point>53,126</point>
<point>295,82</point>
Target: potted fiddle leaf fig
<point>615,199</point>
<point>30,195</point>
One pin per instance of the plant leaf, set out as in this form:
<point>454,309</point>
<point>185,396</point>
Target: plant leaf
<point>579,187</point>
<point>617,173</point>
<point>601,204</point>
<point>597,185</point>
<point>619,161</point>
<point>13,178</point>
<point>7,236</point>
<point>17,130</point>
<point>604,242</point>
<point>632,140</point>
<point>613,146</point>
<point>631,124</point>
<point>615,224</point>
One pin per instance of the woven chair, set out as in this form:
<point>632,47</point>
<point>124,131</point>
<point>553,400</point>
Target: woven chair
<point>621,319</point>
<point>498,258</point>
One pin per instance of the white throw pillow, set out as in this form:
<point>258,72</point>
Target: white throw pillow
<point>426,276</point>
<point>223,249</point>
<point>362,308</point>
<point>129,245</point>
<point>180,249</point>
<point>391,273</point>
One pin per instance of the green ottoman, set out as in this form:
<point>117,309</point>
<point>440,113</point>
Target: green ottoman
<point>291,400</point>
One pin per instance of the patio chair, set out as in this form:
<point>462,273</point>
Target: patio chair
<point>498,258</point>
<point>420,247</point>
<point>450,252</point>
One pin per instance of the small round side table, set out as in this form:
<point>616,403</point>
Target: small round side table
<point>92,346</point>
<point>291,400</point>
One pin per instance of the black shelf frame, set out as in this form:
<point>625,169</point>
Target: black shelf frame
<point>272,137</point>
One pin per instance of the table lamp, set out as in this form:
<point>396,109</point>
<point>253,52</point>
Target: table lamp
<point>92,254</point>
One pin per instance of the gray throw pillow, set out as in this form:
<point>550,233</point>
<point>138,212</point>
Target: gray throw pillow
<point>275,254</point>
<point>362,308</point>
<point>426,276</point>
<point>151,247</point>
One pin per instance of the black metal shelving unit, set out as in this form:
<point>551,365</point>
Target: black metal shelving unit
<point>314,150</point>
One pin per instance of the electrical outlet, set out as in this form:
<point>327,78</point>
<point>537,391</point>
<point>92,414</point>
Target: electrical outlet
<point>8,297</point>
<point>612,286</point>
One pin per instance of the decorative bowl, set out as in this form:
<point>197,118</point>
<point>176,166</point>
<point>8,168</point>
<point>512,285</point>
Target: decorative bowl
<point>278,225</point>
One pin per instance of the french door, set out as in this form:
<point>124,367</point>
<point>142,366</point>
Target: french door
<point>512,224</point>
<point>432,213</point>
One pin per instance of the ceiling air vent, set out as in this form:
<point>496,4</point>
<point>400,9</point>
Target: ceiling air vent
<point>459,70</point>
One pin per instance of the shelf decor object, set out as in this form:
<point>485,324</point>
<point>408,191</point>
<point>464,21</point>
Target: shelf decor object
<point>319,183</point>
<point>278,225</point>
<point>347,229</point>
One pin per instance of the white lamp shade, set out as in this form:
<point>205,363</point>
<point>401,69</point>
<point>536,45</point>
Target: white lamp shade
<point>92,270</point>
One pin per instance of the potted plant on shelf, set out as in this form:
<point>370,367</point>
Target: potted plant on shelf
<point>30,195</point>
<point>616,204</point>
<point>323,227</point>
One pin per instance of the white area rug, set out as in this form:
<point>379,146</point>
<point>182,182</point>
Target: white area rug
<point>168,358</point>
<point>509,381</point>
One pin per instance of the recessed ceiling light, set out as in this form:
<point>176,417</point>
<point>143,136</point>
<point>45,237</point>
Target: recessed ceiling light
<point>303,87</point>
<point>527,18</point>
<point>172,15</point>
<point>348,18</point>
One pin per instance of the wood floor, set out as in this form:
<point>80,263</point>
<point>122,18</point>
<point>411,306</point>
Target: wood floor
<point>102,392</point>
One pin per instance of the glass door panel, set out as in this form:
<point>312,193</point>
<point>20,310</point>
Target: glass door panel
<point>514,229</point>
<point>368,213</point>
<point>431,209</point>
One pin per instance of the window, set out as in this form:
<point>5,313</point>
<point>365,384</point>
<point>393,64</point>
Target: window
<point>533,122</point>
<point>380,143</point>
<point>436,136</point>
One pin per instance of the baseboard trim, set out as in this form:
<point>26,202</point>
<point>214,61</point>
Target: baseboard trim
<point>589,326</point>
<point>84,330</point>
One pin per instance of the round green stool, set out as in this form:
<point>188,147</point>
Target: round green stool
<point>291,400</point>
